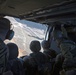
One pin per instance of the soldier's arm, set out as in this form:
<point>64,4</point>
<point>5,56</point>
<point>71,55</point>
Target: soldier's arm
<point>3,56</point>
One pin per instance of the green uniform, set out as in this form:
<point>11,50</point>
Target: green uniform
<point>68,51</point>
<point>67,47</point>
<point>3,56</point>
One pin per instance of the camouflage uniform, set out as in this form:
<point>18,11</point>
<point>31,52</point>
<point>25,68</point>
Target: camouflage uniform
<point>49,53</point>
<point>3,56</point>
<point>67,48</point>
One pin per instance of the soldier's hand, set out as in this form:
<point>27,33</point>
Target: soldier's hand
<point>69,63</point>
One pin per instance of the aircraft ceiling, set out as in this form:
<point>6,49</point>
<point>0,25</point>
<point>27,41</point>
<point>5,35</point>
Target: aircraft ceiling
<point>22,8</point>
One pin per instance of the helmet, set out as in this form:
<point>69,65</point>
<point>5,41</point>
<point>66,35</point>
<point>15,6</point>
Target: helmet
<point>71,32</point>
<point>10,34</point>
<point>59,58</point>
<point>13,50</point>
<point>45,44</point>
<point>35,46</point>
<point>6,25</point>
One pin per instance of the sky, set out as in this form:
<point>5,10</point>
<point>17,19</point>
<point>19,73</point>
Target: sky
<point>25,32</point>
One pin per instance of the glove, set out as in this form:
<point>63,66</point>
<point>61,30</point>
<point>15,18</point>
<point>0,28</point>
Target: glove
<point>8,73</point>
<point>69,64</point>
